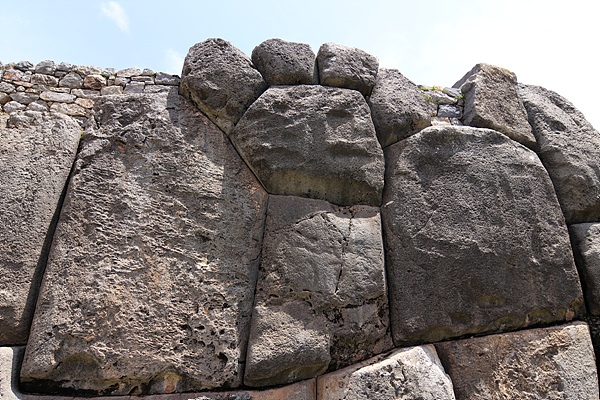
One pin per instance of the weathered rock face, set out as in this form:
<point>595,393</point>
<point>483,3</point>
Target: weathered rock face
<point>313,141</point>
<point>472,217</point>
<point>221,81</point>
<point>150,280</point>
<point>409,374</point>
<point>321,299</point>
<point>492,101</point>
<point>347,67</point>
<point>37,151</point>
<point>569,147</point>
<point>586,246</point>
<point>398,107</point>
<point>8,365</point>
<point>285,63</point>
<point>549,363</point>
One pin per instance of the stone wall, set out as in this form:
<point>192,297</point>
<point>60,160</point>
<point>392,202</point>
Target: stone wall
<point>294,226</point>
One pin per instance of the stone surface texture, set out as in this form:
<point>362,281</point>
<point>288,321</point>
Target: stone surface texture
<point>569,147</point>
<point>347,67</point>
<point>321,299</point>
<point>548,363</point>
<point>492,101</point>
<point>472,216</point>
<point>409,374</point>
<point>285,63</point>
<point>398,107</point>
<point>586,246</point>
<point>221,81</point>
<point>313,141</point>
<point>151,276</point>
<point>37,151</point>
<point>8,372</point>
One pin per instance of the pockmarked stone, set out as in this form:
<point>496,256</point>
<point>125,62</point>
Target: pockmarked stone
<point>285,63</point>
<point>13,106</point>
<point>569,147</point>
<point>304,390</point>
<point>37,151</point>
<point>546,363</point>
<point>313,141</point>
<point>492,101</point>
<point>475,238</point>
<point>311,315</point>
<point>347,67</point>
<point>46,67</point>
<point>413,373</point>
<point>71,80</point>
<point>221,81</point>
<point>586,246</point>
<point>398,107</point>
<point>150,281</point>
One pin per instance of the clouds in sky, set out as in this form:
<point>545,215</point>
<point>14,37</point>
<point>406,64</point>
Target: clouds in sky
<point>115,12</point>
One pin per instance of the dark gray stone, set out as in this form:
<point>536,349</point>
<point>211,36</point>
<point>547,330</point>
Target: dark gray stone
<point>347,67</point>
<point>586,246</point>
<point>71,80</point>
<point>46,67</point>
<point>475,239</point>
<point>449,111</point>
<point>285,63</point>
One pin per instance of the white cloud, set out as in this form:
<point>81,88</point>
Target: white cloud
<point>174,62</point>
<point>116,13</point>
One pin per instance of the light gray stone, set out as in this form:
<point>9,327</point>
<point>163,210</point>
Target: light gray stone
<point>129,72</point>
<point>94,82</point>
<point>44,80</point>
<point>46,67</point>
<point>24,66</point>
<point>221,81</point>
<point>9,361</point>
<point>569,147</point>
<point>24,98</point>
<point>143,78</point>
<point>548,363</point>
<point>586,246</point>
<point>492,101</point>
<point>150,280</point>
<point>449,111</point>
<point>4,98</point>
<point>37,151</point>
<point>37,106</point>
<point>313,141</point>
<point>57,97</point>
<point>134,87</point>
<point>86,93</point>
<point>475,239</point>
<point>166,79</point>
<point>398,107</point>
<point>66,67</point>
<point>71,80</point>
<point>7,88</point>
<point>85,70</point>
<point>13,106</point>
<point>106,90</point>
<point>414,373</point>
<point>347,67</point>
<point>285,63</point>
<point>310,315</point>
<point>71,109</point>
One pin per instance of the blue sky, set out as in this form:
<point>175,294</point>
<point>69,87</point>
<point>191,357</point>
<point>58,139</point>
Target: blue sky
<point>433,42</point>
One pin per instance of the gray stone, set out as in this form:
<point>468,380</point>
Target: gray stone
<point>221,81</point>
<point>37,153</point>
<point>106,90</point>
<point>148,72</point>
<point>24,66</point>
<point>14,75</point>
<point>37,106</point>
<point>129,72</point>
<point>407,374</point>
<point>150,281</point>
<point>586,246</point>
<point>24,98</point>
<point>449,111</point>
<point>304,390</point>
<point>85,103</point>
<point>122,81</point>
<point>398,107</point>
<point>85,70</point>
<point>94,82</point>
<point>143,78</point>
<point>438,96</point>
<point>492,101</point>
<point>166,79</point>
<point>7,88</point>
<point>86,93</point>
<point>57,97</point>
<point>476,242</point>
<point>347,67</point>
<point>310,316</point>
<point>71,109</point>
<point>569,147</point>
<point>13,106</point>
<point>46,67</point>
<point>134,87</point>
<point>4,98</point>
<point>156,88</point>
<point>65,67</point>
<point>9,361</point>
<point>313,141</point>
<point>71,80</point>
<point>285,63</point>
<point>548,363</point>
<point>44,80</point>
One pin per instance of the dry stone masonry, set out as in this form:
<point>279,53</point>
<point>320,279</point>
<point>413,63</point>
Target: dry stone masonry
<point>294,225</point>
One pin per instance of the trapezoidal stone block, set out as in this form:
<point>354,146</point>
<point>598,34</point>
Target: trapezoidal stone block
<point>37,151</point>
<point>151,276</point>
<point>475,239</point>
<point>313,141</point>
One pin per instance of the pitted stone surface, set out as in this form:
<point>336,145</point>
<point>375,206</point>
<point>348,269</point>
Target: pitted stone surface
<point>569,147</point>
<point>586,246</point>
<point>492,101</point>
<point>407,374</point>
<point>475,238</point>
<point>313,315</point>
<point>347,67</point>
<point>285,63</point>
<point>398,107</point>
<point>221,81</point>
<point>313,141</point>
<point>548,363</point>
<point>37,151</point>
<point>151,276</point>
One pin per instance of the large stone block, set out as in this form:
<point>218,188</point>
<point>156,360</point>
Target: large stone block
<point>37,151</point>
<point>586,246</point>
<point>548,363</point>
<point>285,63</point>
<point>150,280</point>
<point>492,101</point>
<point>321,299</point>
<point>475,239</point>
<point>313,141</point>
<point>407,374</point>
<point>221,81</point>
<point>569,147</point>
<point>398,107</point>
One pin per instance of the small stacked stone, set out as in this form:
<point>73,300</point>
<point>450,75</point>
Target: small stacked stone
<point>71,89</point>
<point>447,104</point>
